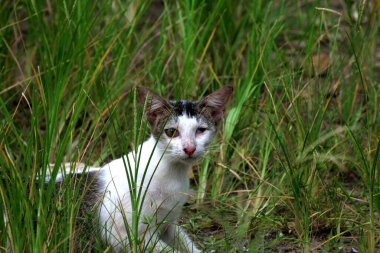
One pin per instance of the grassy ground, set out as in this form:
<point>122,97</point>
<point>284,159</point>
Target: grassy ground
<point>296,165</point>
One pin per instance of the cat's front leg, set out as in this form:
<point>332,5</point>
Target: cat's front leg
<point>176,237</point>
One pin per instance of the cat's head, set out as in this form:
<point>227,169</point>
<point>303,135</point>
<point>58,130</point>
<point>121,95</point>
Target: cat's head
<point>185,128</point>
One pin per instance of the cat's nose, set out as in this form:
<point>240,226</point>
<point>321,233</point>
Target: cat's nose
<point>189,150</point>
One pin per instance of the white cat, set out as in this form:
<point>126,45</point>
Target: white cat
<point>180,134</point>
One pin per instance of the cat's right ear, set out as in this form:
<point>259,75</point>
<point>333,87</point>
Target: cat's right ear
<point>215,103</point>
<point>156,107</point>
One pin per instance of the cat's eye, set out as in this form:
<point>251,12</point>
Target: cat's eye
<point>171,132</point>
<point>201,130</point>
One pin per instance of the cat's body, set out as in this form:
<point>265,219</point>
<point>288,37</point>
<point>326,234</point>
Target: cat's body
<point>181,132</point>
<point>167,193</point>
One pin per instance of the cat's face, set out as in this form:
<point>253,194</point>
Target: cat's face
<point>184,128</point>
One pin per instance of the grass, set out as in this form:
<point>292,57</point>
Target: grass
<point>295,165</point>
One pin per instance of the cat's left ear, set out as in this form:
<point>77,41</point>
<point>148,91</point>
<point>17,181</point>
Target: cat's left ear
<point>214,104</point>
<point>157,108</point>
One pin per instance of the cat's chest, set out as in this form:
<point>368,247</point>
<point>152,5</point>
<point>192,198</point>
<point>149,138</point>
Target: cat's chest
<point>170,191</point>
<point>169,197</point>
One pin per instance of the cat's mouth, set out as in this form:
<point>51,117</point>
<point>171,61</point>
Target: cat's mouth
<point>190,158</point>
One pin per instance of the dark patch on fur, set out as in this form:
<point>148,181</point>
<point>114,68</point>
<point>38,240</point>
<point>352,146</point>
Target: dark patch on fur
<point>192,109</point>
<point>87,187</point>
<point>184,107</point>
<point>90,186</point>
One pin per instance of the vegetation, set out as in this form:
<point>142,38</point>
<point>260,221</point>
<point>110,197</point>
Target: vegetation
<point>296,164</point>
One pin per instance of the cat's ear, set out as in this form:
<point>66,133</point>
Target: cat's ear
<point>214,104</point>
<point>157,108</point>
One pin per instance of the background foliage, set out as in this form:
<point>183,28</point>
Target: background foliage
<point>295,166</point>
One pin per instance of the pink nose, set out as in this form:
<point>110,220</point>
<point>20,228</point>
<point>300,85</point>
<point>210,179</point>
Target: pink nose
<point>189,150</point>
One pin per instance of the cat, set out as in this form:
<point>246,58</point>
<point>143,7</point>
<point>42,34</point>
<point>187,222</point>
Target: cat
<point>181,131</point>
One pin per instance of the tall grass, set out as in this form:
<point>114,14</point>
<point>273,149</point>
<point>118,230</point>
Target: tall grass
<point>295,164</point>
